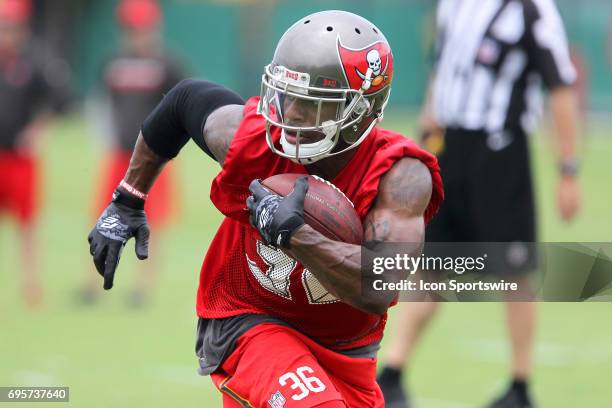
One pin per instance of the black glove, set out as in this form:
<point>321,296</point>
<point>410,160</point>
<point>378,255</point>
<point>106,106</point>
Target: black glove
<point>123,219</point>
<point>276,217</point>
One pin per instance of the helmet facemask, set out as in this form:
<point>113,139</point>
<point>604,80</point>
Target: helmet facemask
<point>282,86</point>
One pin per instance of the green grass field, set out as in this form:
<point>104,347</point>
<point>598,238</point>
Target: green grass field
<point>113,356</point>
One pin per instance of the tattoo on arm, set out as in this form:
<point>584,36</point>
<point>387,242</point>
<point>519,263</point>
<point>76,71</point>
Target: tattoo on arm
<point>403,195</point>
<point>376,230</point>
<point>408,186</point>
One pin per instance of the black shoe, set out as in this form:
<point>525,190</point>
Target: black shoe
<point>515,397</point>
<point>390,383</point>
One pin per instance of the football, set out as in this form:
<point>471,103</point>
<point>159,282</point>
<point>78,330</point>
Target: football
<point>326,208</point>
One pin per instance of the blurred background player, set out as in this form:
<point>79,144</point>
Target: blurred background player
<point>133,82</point>
<point>32,85</point>
<point>491,60</point>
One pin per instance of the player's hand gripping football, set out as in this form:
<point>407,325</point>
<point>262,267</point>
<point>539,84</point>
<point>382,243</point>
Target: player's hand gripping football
<point>117,224</point>
<point>276,217</point>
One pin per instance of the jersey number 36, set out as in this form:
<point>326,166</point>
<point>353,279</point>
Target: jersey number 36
<point>301,382</point>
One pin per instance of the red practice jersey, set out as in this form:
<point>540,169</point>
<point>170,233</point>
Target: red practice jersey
<point>242,275</point>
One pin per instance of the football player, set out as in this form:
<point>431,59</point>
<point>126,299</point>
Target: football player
<point>282,318</point>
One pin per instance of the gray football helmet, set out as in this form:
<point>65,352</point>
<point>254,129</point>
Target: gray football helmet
<point>334,61</point>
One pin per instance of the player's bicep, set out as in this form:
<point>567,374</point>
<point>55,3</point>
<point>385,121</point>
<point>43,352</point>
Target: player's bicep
<point>403,196</point>
<point>220,128</point>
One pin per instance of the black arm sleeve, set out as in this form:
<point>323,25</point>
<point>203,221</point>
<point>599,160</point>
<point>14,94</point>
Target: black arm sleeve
<point>181,115</point>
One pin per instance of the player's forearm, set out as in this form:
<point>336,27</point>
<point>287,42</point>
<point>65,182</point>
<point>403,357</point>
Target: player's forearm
<point>565,116</point>
<point>337,265</point>
<point>145,166</point>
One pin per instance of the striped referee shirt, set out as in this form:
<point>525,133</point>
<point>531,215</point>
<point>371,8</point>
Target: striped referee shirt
<point>492,57</point>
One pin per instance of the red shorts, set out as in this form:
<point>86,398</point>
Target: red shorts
<point>159,206</point>
<point>275,366</point>
<point>19,185</point>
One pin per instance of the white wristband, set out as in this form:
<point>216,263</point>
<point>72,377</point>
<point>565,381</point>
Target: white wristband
<point>133,190</point>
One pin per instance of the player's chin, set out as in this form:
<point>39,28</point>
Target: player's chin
<point>305,137</point>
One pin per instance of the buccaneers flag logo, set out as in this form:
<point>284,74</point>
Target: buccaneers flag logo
<point>369,68</point>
